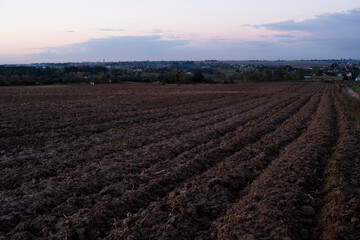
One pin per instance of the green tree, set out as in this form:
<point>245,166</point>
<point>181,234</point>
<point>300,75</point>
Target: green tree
<point>267,76</point>
<point>300,74</point>
<point>198,77</point>
<point>171,77</point>
<point>279,74</point>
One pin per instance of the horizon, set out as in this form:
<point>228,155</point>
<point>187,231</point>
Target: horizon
<point>205,60</point>
<point>47,32</point>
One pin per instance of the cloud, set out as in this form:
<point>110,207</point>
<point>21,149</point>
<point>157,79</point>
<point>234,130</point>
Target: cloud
<point>334,35</point>
<point>333,25</point>
<point>110,29</point>
<point>131,48</point>
<point>284,36</point>
<point>278,36</point>
<point>112,49</point>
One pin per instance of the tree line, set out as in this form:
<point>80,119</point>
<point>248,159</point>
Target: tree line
<point>24,75</point>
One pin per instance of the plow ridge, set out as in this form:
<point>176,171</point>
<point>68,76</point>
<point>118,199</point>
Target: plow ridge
<point>236,171</point>
<point>138,159</point>
<point>277,204</point>
<point>162,182</point>
<point>149,157</point>
<point>125,142</point>
<point>247,161</point>
<point>338,203</point>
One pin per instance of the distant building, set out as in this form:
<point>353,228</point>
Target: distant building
<point>358,78</point>
<point>349,74</point>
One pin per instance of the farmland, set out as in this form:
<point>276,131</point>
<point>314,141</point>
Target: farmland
<point>145,161</point>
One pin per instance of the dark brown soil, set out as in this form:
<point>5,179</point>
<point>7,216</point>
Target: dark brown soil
<point>132,161</point>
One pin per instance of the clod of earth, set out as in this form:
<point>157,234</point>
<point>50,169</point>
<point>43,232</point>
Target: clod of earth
<point>138,161</point>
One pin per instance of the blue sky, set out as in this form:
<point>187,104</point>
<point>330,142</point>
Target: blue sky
<point>61,31</point>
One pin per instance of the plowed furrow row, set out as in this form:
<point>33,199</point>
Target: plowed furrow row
<point>83,117</point>
<point>154,184</point>
<point>115,132</point>
<point>247,161</point>
<point>44,137</point>
<point>338,197</point>
<point>115,170</point>
<point>277,205</point>
<point>125,110</point>
<point>190,208</point>
<point>12,180</point>
<point>66,127</point>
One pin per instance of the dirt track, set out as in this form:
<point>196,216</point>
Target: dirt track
<point>251,161</point>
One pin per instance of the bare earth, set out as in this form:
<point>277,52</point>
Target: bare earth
<point>132,161</point>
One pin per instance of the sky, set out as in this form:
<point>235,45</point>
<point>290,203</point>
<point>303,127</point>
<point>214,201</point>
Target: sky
<point>78,30</point>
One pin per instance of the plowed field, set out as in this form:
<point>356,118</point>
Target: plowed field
<point>132,161</point>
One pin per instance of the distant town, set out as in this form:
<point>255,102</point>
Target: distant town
<point>179,72</point>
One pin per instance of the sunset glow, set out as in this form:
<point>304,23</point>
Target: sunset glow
<point>32,30</point>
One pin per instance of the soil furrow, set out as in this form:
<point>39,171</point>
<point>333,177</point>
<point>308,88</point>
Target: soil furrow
<point>123,143</point>
<point>123,132</point>
<point>192,207</point>
<point>48,166</point>
<point>277,205</point>
<point>136,161</point>
<point>337,201</point>
<point>164,182</point>
<point>72,128</point>
<point>65,129</point>
<point>172,105</point>
<point>115,170</point>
